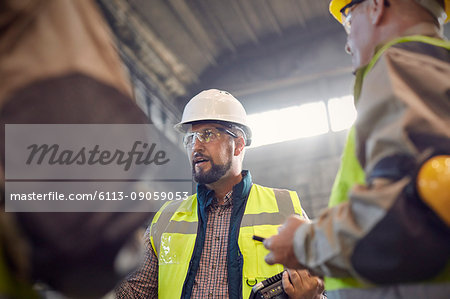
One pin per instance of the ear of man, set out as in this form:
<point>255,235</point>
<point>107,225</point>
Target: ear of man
<point>376,11</point>
<point>239,145</point>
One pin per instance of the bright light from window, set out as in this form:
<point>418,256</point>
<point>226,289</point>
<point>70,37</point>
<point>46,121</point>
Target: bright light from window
<point>342,113</point>
<point>288,123</point>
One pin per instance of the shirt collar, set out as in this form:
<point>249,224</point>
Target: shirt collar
<point>226,200</point>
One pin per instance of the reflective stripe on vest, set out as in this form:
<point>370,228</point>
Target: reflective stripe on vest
<point>351,173</point>
<point>174,231</point>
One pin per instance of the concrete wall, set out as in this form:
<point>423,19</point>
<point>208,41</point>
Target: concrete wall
<point>307,166</point>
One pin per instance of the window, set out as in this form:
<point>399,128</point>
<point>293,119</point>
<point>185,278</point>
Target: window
<point>342,113</point>
<point>288,123</point>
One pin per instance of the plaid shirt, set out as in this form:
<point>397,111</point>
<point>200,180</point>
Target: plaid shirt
<point>211,279</point>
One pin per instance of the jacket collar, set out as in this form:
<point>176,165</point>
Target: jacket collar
<point>426,29</point>
<point>411,34</point>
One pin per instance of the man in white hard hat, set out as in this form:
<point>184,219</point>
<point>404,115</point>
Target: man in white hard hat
<point>388,234</point>
<point>203,247</point>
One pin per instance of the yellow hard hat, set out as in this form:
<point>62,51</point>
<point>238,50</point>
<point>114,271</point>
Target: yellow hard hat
<point>335,8</point>
<point>337,5</point>
<point>447,10</point>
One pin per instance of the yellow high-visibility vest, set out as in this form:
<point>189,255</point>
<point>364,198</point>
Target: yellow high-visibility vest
<point>174,231</point>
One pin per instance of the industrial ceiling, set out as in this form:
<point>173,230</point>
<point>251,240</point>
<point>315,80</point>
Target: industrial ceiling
<point>268,53</point>
<point>244,46</point>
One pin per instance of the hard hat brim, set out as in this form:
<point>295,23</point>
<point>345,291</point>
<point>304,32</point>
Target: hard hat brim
<point>335,8</point>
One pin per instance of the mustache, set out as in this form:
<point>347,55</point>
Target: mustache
<point>199,155</point>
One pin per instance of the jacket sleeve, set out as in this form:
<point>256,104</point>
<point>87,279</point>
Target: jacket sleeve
<point>385,229</point>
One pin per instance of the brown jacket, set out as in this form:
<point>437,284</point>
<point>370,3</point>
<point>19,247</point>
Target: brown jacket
<point>58,65</point>
<point>403,114</point>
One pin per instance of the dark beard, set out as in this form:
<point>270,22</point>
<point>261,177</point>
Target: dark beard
<point>213,175</point>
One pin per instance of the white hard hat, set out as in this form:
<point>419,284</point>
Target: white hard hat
<point>215,105</point>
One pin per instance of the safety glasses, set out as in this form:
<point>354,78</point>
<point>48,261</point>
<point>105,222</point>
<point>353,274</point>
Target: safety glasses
<point>347,14</point>
<point>205,136</point>
<point>345,10</point>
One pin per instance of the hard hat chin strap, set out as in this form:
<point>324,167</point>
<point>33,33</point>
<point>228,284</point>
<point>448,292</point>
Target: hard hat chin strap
<point>435,9</point>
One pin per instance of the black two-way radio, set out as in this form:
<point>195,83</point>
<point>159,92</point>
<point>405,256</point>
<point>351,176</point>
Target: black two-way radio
<point>271,288</point>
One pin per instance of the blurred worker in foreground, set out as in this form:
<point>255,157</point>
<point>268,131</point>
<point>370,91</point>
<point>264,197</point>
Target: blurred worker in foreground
<point>388,232</point>
<point>203,247</point>
<point>58,66</point>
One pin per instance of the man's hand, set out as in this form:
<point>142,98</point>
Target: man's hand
<point>302,285</point>
<point>282,245</point>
